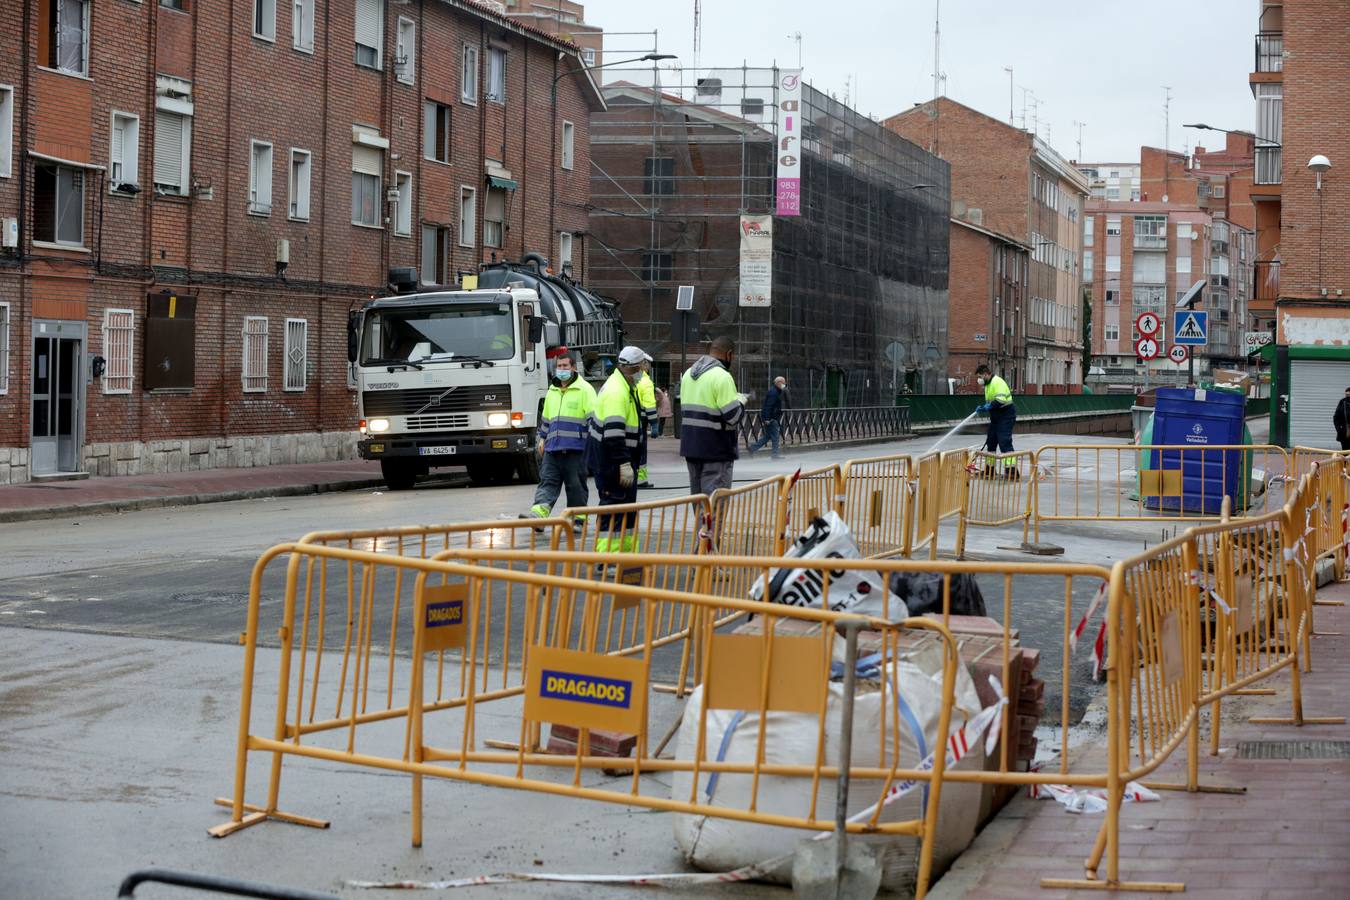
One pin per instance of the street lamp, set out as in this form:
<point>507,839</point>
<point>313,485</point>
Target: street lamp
<point>553,106</point>
<point>1319,164</point>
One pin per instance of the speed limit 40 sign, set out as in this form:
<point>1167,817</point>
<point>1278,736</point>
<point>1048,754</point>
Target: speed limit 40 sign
<point>1178,354</point>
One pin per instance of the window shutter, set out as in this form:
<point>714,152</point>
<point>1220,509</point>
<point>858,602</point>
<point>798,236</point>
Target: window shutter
<point>367,160</point>
<point>429,136</point>
<point>368,14</point>
<point>168,149</point>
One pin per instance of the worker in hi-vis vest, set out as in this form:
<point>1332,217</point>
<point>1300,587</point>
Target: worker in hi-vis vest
<point>564,429</point>
<point>998,403</point>
<point>646,394</point>
<point>616,440</point>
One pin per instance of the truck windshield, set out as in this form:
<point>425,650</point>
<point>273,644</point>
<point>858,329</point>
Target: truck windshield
<point>439,332</point>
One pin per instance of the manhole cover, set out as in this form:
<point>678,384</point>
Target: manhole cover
<point>1293,750</point>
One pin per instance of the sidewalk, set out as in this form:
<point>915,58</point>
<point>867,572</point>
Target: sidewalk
<point>1288,836</point>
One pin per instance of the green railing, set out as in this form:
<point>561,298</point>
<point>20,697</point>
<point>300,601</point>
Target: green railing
<point>929,408</point>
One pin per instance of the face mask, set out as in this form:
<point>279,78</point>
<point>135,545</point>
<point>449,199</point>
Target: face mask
<point>563,375</point>
<point>979,381</point>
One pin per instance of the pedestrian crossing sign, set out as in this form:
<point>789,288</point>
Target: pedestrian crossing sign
<point>1190,326</point>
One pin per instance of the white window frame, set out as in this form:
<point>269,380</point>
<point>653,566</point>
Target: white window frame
<point>1113,222</point>
<point>259,182</point>
<point>56,205</point>
<point>588,55</point>
<point>265,20</point>
<point>500,225</point>
<point>430,117</point>
<point>117,156</point>
<point>468,75</point>
<point>379,41</point>
<point>83,71</point>
<point>405,51</point>
<point>4,347</point>
<point>302,25</point>
<point>496,92</point>
<point>291,365</point>
<point>185,156</point>
<point>6,130</point>
<point>468,215</point>
<point>1088,228</point>
<point>403,207</point>
<point>428,274</point>
<point>565,242</point>
<point>119,375</point>
<point>297,192</point>
<point>367,140</point>
<point>254,382</point>
<point>568,140</point>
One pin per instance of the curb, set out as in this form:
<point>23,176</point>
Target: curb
<point>130,505</point>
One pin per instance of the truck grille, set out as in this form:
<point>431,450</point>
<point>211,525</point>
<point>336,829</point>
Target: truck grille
<point>468,398</point>
<point>437,423</point>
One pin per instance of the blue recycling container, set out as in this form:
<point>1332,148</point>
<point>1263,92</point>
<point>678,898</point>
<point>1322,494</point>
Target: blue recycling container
<point>1197,418</point>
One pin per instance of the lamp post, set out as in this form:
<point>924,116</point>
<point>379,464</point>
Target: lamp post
<point>1319,165</point>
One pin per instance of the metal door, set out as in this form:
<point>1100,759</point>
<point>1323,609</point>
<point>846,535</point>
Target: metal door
<point>57,395</point>
<point>1316,386</point>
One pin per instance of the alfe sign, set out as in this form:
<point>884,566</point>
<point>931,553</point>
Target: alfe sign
<point>789,199</point>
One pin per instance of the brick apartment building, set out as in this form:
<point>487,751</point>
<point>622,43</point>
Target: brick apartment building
<point>195,193</point>
<point>984,325</point>
<point>1299,81</point>
<point>1111,180</point>
<point>561,18</point>
<point>1143,255</point>
<point>1016,187</point>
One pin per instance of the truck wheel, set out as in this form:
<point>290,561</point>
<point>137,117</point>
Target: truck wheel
<point>527,468</point>
<point>399,474</point>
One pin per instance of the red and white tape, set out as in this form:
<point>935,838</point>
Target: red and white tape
<point>1090,801</point>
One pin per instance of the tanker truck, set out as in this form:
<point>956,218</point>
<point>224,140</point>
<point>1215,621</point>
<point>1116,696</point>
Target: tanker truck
<point>448,377</point>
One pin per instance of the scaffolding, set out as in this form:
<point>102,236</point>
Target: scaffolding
<point>859,300</point>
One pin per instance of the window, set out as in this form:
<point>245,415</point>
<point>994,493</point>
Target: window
<point>6,130</point>
<point>1112,192</point>
<point>265,19</point>
<point>435,131</point>
<point>123,149</point>
<point>58,205</point>
<point>1218,191</point>
<point>1111,332</point>
<point>564,251</point>
<point>403,206</point>
<point>468,77</point>
<point>1150,232</point>
<point>302,25</point>
<point>255,354</point>
<point>588,56</point>
<point>658,174</point>
<point>173,151</point>
<point>260,179</point>
<point>496,86</point>
<point>180,5</point>
<point>118,325</point>
<point>1087,230</point>
<point>297,352</point>
<point>1087,264</point>
<point>367,168</point>
<point>494,217</point>
<point>369,32</point>
<point>68,36</point>
<point>1112,263</point>
<point>657,266</point>
<point>4,348</point>
<point>1184,264</point>
<point>298,200</point>
<point>468,215</point>
<point>1113,226</point>
<point>435,254</point>
<point>405,52</point>
<point>568,138</point>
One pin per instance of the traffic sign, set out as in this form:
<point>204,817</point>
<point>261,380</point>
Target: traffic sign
<point>1146,348</point>
<point>684,298</point>
<point>1190,326</point>
<point>1178,354</point>
<point>1148,324</point>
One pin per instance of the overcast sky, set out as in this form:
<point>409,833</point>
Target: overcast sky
<point>1101,64</point>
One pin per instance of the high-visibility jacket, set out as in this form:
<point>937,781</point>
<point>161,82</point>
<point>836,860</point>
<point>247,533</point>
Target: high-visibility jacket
<point>616,427</point>
<point>567,415</point>
<point>710,410</point>
<point>997,393</point>
<point>646,394</point>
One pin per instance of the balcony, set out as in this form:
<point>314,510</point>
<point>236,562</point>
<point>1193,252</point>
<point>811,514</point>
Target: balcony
<point>1268,164</point>
<point>1269,51</point>
<point>1150,241</point>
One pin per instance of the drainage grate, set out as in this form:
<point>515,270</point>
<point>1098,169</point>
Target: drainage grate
<point>1293,750</point>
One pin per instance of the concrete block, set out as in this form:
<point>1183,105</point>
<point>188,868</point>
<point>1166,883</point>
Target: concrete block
<point>817,875</point>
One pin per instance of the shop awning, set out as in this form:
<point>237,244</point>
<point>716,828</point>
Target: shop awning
<point>505,184</point>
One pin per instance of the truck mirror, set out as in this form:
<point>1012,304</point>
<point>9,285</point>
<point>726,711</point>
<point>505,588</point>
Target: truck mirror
<point>552,336</point>
<point>536,329</point>
<point>353,334</point>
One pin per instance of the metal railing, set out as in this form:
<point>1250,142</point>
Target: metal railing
<point>1144,241</point>
<point>799,427</point>
<point>1269,51</point>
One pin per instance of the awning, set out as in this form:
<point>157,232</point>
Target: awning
<point>505,184</point>
<point>74,164</point>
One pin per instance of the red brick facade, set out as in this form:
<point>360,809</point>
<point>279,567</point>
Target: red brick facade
<point>983,324</point>
<point>210,245</point>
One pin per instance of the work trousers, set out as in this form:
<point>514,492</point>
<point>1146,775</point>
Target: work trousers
<point>1001,422</point>
<point>561,468</point>
<point>615,533</point>
<point>707,475</point>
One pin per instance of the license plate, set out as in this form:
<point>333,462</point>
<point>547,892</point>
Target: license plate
<point>436,451</point>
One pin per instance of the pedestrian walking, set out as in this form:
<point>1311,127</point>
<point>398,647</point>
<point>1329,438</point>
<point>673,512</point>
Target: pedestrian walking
<point>664,410</point>
<point>562,437</point>
<point>998,403</point>
<point>771,417</point>
<point>711,410</point>
<point>646,394</point>
<point>616,443</point>
<point>1341,419</point>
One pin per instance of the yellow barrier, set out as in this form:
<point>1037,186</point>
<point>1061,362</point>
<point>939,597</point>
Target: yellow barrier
<point>1301,460</point>
<point>762,674</point>
<point>1330,517</point>
<point>942,484</point>
<point>809,494</point>
<point>999,491</point>
<point>878,504</point>
<point>750,520</point>
<point>1176,483</point>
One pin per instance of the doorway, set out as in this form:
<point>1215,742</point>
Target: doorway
<point>58,397</point>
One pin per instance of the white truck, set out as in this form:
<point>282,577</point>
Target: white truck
<point>458,377</point>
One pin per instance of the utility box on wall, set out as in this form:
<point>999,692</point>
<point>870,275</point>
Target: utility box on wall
<point>170,342</point>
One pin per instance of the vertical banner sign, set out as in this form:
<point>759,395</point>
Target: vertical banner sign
<point>789,142</point>
<point>756,260</point>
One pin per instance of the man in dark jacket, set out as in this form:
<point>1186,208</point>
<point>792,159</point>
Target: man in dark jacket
<point>1342,420</point>
<point>771,417</point>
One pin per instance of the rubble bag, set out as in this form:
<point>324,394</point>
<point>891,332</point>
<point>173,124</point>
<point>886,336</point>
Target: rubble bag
<point>851,590</point>
<point>922,593</point>
<point>716,844</point>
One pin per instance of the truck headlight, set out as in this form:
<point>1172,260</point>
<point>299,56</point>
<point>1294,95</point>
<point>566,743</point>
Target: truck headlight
<point>498,420</point>
<point>377,425</point>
